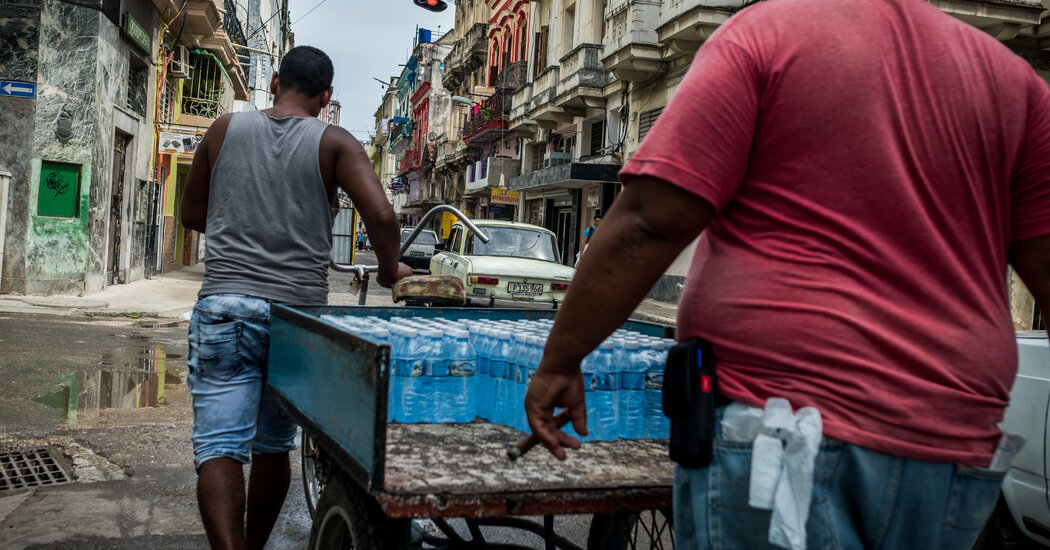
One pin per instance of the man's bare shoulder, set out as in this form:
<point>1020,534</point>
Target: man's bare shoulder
<point>338,139</point>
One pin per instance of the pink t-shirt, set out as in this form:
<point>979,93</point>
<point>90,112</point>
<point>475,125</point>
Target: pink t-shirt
<point>870,162</point>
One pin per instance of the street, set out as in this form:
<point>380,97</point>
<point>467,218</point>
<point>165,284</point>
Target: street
<point>105,397</point>
<point>124,435</point>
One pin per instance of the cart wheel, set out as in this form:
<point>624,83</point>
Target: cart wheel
<point>648,529</point>
<point>315,471</point>
<point>349,518</point>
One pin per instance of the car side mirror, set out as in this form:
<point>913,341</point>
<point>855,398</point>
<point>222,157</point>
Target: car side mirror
<point>439,246</point>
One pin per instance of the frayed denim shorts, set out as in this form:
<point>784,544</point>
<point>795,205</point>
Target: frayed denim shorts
<point>235,414</point>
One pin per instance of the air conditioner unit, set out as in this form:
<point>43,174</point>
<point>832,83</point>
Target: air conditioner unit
<point>555,159</point>
<point>180,63</point>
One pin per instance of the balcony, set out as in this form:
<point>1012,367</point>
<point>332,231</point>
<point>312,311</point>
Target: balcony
<point>582,78</point>
<point>466,56</point>
<point>410,161</point>
<point>513,76</point>
<point>492,115</point>
<point>400,134</point>
<point>686,24</point>
<point>202,17</point>
<point>208,93</point>
<point>631,49</point>
<point>488,172</point>
<point>521,107</point>
<point>222,47</point>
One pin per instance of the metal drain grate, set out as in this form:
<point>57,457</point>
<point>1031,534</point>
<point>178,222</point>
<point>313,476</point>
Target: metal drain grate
<point>30,469</point>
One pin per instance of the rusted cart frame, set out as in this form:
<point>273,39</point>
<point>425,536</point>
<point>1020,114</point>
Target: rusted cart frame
<point>336,385</point>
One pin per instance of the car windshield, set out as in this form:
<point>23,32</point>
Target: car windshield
<point>514,242</point>
<point>424,237</point>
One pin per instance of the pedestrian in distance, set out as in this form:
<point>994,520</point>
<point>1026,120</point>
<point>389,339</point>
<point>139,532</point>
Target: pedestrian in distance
<point>588,234</point>
<point>860,174</point>
<point>265,205</point>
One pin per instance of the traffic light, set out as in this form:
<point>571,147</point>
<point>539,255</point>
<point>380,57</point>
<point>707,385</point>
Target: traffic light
<point>432,5</point>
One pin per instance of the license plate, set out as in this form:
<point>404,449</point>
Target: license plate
<point>414,253</point>
<point>525,289</point>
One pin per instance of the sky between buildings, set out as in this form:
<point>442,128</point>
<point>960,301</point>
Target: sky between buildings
<point>365,39</point>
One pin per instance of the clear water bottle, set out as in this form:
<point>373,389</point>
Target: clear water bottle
<point>519,362</point>
<point>657,426</point>
<point>428,393</point>
<point>462,376</point>
<point>632,390</point>
<point>602,399</point>
<point>408,369</point>
<point>499,367</point>
<point>482,382</point>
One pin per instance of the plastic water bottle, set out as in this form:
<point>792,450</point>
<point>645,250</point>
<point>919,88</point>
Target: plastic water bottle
<point>408,369</point>
<point>498,370</point>
<point>427,393</point>
<point>602,401</point>
<point>657,426</point>
<point>482,383</point>
<point>519,355</point>
<point>461,381</point>
<point>632,390</point>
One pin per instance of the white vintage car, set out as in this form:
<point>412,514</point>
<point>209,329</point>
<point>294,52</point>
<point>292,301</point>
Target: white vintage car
<point>1022,518</point>
<point>519,264</point>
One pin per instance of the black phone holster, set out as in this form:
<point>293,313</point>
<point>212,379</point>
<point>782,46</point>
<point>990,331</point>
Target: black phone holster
<point>690,392</point>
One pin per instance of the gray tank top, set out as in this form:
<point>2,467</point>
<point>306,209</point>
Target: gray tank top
<point>269,228</point>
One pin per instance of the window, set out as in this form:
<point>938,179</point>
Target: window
<point>568,29</point>
<point>541,52</point>
<point>646,121</point>
<point>515,243</point>
<point>597,137</point>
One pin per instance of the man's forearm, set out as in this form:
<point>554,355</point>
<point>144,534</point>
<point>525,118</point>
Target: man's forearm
<point>384,234</point>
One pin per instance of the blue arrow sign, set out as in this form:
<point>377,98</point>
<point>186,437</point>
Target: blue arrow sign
<point>17,89</point>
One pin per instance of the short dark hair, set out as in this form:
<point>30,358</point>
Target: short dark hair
<point>306,69</point>
<point>598,214</point>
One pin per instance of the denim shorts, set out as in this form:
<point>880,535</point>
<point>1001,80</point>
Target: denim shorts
<point>235,414</point>
<point>861,499</point>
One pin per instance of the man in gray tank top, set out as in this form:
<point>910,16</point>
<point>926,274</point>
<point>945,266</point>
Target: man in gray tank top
<point>261,187</point>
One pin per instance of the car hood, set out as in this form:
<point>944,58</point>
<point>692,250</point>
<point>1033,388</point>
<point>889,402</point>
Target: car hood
<point>520,267</point>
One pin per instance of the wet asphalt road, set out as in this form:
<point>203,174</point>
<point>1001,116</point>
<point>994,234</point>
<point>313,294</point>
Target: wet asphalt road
<point>107,397</point>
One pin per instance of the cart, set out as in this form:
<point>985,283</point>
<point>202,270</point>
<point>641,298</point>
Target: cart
<point>371,476</point>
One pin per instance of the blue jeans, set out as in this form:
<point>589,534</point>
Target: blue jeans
<point>861,499</point>
<point>234,412</point>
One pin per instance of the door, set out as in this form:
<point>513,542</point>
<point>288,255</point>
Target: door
<point>116,209</point>
<point>563,228</point>
<point>343,235</point>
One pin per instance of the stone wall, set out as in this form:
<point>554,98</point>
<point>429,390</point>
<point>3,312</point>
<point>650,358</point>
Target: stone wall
<point>19,25</point>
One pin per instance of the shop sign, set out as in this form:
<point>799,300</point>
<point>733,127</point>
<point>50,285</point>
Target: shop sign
<point>502,196</point>
<point>447,219</point>
<point>179,140</point>
<point>137,33</point>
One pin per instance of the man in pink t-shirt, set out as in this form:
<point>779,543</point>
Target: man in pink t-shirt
<point>862,173</point>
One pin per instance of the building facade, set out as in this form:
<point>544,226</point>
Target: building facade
<point>110,101</point>
<point>586,81</point>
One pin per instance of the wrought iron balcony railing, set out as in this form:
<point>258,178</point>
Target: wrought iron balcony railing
<point>207,92</point>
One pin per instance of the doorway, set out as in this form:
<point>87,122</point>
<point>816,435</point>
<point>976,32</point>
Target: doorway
<point>116,209</point>
<point>563,228</point>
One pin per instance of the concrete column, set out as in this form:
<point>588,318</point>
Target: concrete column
<point>5,179</point>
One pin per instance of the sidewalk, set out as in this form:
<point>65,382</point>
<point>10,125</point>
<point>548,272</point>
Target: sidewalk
<point>171,296</point>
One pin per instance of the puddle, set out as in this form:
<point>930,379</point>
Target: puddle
<point>127,378</point>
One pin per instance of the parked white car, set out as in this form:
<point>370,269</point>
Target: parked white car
<point>518,265</point>
<point>1022,519</point>
<point>421,250</point>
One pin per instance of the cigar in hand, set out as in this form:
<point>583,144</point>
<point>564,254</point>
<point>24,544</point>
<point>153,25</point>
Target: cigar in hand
<point>519,449</point>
